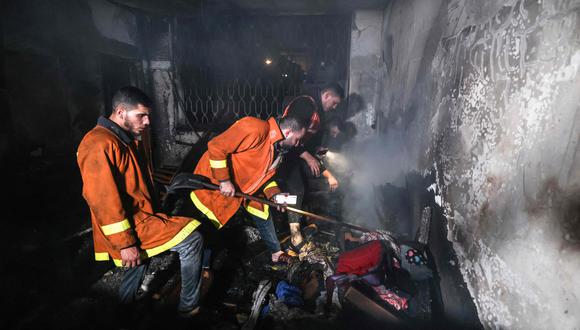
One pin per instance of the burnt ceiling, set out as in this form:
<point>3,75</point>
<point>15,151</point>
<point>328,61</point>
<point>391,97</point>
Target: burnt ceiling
<point>251,7</point>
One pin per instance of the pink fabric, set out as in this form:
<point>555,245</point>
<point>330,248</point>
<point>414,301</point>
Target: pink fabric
<point>398,302</point>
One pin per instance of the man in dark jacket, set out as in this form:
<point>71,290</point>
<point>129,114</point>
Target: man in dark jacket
<point>302,163</point>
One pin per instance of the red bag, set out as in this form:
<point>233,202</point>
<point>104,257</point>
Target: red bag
<point>364,259</point>
<point>365,263</point>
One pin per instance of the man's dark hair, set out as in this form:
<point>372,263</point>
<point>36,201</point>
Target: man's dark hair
<point>132,97</point>
<point>334,88</point>
<point>302,107</point>
<point>292,122</point>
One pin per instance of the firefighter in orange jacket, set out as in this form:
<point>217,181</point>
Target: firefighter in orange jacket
<point>118,187</point>
<point>245,158</point>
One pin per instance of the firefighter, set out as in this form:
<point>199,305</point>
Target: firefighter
<point>118,188</point>
<point>302,162</point>
<point>245,158</point>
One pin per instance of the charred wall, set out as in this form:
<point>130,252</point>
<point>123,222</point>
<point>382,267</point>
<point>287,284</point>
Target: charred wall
<point>61,60</point>
<point>486,95</point>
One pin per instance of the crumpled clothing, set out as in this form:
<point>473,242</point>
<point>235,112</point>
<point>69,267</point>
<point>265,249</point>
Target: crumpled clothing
<point>391,297</point>
<point>306,249</point>
<point>316,255</point>
<point>382,235</point>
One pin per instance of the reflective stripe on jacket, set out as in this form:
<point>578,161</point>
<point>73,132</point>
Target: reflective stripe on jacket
<point>116,186</point>
<point>243,154</point>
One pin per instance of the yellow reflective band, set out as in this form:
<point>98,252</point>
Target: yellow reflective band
<point>183,233</point>
<point>218,163</point>
<point>104,256</point>
<point>101,256</point>
<point>116,227</point>
<point>260,214</point>
<point>271,184</point>
<point>208,213</point>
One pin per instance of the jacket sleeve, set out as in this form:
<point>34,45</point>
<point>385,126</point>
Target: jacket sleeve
<point>241,136</point>
<point>98,163</point>
<point>271,189</point>
<point>299,149</point>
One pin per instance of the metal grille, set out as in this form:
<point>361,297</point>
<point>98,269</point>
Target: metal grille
<point>236,99</point>
<point>219,71</point>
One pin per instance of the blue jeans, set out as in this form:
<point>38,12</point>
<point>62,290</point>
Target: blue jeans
<point>190,257</point>
<point>268,232</point>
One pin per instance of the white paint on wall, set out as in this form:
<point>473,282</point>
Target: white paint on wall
<point>497,114</point>
<point>114,22</point>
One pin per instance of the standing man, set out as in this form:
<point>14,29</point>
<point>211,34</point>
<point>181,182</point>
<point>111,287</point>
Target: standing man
<point>302,163</point>
<point>245,158</point>
<point>118,187</point>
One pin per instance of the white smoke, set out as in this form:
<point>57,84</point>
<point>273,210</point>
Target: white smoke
<point>366,164</point>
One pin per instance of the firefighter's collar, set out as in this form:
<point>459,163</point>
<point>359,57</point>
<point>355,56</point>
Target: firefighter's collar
<point>275,131</point>
<point>122,134</point>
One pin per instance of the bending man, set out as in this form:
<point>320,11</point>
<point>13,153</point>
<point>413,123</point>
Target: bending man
<point>245,158</point>
<point>301,162</point>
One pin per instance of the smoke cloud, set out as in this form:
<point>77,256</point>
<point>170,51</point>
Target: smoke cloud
<point>365,164</point>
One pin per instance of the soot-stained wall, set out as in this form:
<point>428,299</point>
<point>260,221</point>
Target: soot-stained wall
<point>61,61</point>
<point>488,94</point>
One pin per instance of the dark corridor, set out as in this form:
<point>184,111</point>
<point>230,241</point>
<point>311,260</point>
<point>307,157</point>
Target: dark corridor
<point>453,145</point>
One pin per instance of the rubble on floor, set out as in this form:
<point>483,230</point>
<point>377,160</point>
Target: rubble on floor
<point>295,297</point>
<point>248,291</point>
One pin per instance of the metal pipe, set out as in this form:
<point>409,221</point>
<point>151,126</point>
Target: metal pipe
<point>212,186</point>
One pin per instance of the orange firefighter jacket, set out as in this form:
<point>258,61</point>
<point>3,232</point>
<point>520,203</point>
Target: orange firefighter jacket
<point>244,154</point>
<point>117,186</point>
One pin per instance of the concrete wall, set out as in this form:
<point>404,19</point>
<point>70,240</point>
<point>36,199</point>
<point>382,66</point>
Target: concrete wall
<point>487,93</point>
<point>365,52</point>
<point>114,22</point>
<point>171,146</point>
<point>54,70</point>
<point>53,75</point>
<point>55,65</point>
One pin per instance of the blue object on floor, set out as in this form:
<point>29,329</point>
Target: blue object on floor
<point>265,310</point>
<point>290,294</point>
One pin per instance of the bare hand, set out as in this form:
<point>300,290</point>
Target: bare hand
<point>333,183</point>
<point>227,188</point>
<point>130,257</point>
<point>313,164</point>
<point>279,207</point>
